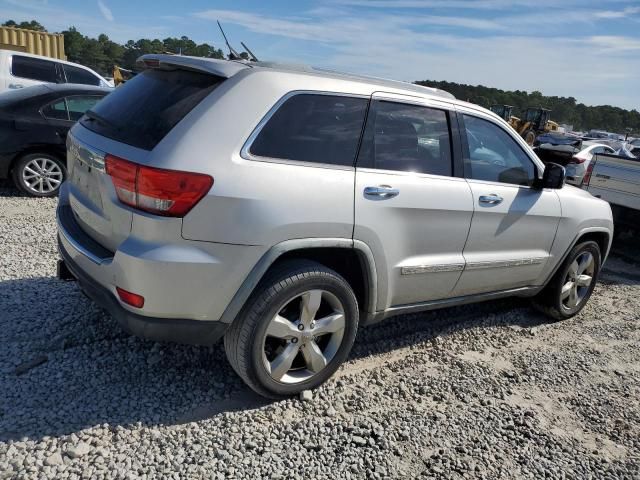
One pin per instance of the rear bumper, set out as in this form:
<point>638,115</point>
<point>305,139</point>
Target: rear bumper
<point>198,332</point>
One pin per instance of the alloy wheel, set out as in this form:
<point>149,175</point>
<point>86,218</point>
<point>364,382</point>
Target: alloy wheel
<point>42,175</point>
<point>304,336</point>
<point>577,281</point>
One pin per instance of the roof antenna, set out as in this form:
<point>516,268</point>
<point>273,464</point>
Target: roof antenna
<point>233,55</point>
<point>253,57</point>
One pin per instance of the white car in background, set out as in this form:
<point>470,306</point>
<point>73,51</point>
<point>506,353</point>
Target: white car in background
<point>19,70</point>
<point>577,166</point>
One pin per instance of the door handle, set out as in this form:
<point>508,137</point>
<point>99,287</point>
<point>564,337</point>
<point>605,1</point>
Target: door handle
<point>492,199</point>
<point>382,192</point>
<point>16,85</point>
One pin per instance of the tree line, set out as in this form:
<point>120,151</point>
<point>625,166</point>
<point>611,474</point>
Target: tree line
<point>563,109</point>
<point>102,53</point>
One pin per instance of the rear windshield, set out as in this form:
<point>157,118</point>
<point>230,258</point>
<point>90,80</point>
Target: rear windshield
<point>143,110</point>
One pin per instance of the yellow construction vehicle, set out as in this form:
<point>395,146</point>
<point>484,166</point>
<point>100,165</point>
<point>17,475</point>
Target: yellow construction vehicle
<point>534,122</point>
<point>121,75</point>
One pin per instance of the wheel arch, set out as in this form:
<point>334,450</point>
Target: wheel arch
<point>351,259</point>
<point>601,235</point>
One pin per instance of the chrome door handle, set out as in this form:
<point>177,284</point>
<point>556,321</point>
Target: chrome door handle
<point>16,85</point>
<point>382,192</point>
<point>492,199</point>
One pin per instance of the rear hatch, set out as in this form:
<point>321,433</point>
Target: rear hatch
<point>129,123</point>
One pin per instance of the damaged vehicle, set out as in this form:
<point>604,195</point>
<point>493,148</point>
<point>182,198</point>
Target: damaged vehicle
<point>282,208</point>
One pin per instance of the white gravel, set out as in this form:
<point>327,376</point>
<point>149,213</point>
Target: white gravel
<point>487,391</point>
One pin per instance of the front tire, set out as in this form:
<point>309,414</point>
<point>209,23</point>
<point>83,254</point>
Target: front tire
<point>529,137</point>
<point>570,288</point>
<point>39,174</point>
<point>296,329</point>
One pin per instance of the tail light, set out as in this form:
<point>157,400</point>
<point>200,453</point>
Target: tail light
<point>587,176</point>
<point>577,160</point>
<point>170,193</point>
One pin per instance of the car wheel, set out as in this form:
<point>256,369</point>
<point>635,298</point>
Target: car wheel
<point>39,174</point>
<point>295,330</point>
<point>572,285</point>
<point>529,137</point>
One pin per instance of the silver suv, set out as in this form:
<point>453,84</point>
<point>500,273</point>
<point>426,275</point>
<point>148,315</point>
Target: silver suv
<point>283,208</point>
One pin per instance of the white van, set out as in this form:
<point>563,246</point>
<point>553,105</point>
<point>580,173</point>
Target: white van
<point>19,70</point>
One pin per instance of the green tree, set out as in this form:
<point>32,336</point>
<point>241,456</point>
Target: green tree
<point>32,25</point>
<point>563,109</point>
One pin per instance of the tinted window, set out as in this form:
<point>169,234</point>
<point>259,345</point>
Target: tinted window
<point>79,75</point>
<point>77,105</point>
<point>56,110</point>
<point>493,155</point>
<point>313,128</point>
<point>407,138</point>
<point>33,68</point>
<point>143,110</point>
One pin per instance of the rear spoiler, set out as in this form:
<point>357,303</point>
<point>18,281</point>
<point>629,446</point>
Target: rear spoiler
<point>220,68</point>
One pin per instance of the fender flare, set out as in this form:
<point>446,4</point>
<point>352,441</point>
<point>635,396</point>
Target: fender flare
<point>581,233</point>
<point>269,258</point>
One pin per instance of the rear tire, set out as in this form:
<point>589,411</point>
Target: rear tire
<point>296,329</point>
<point>569,290</point>
<point>39,174</point>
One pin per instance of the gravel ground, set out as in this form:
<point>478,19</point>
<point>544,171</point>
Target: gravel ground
<point>487,391</point>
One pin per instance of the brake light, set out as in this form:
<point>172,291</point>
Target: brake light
<point>577,160</point>
<point>123,175</point>
<point>587,176</point>
<point>129,298</point>
<point>169,193</point>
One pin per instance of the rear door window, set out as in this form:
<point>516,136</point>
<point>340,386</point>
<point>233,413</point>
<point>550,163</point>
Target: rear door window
<point>313,128</point>
<point>407,138</point>
<point>146,108</point>
<point>33,68</point>
<point>79,75</point>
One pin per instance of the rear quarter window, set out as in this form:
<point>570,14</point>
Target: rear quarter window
<point>313,128</point>
<point>146,108</point>
<point>56,110</point>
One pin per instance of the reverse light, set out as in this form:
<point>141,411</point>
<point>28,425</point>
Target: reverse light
<point>130,298</point>
<point>170,193</point>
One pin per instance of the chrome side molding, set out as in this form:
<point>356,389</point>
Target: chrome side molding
<point>418,269</point>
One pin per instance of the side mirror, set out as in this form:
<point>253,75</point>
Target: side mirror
<point>553,176</point>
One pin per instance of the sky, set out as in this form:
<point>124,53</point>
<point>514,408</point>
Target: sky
<point>586,49</point>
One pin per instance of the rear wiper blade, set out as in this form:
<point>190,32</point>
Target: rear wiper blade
<point>91,115</point>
